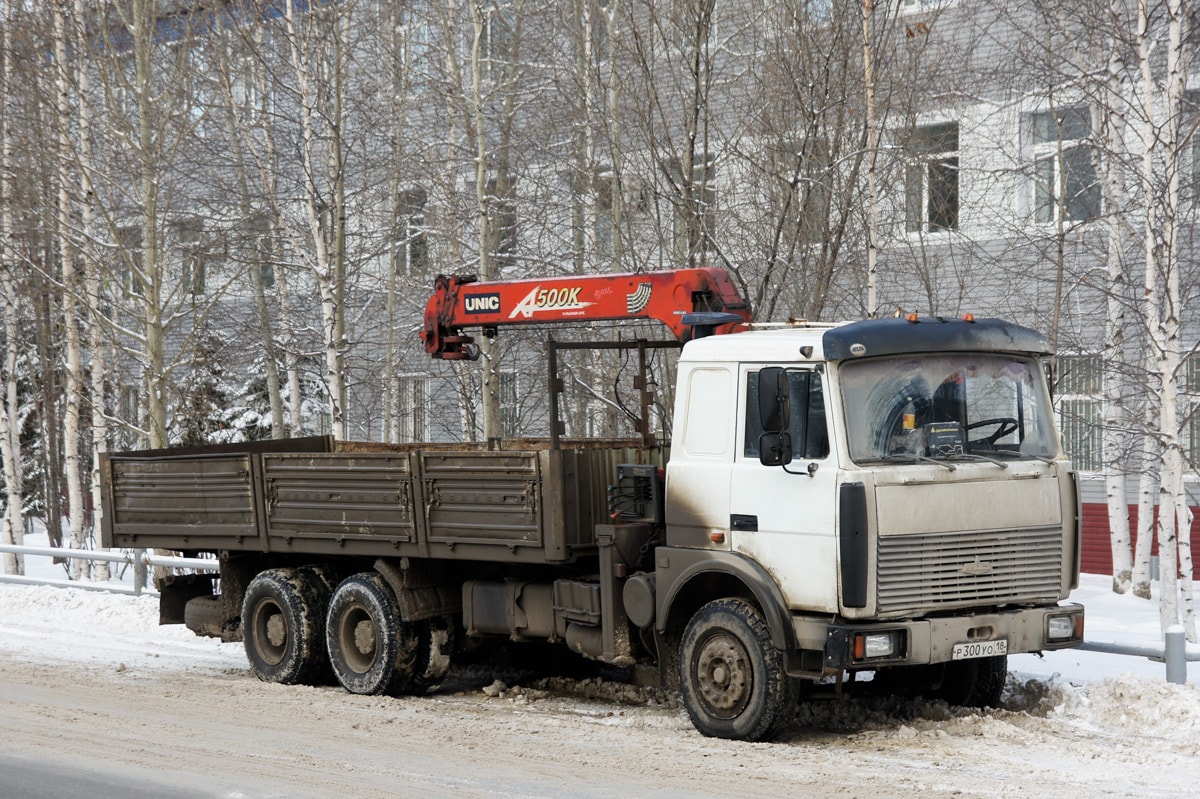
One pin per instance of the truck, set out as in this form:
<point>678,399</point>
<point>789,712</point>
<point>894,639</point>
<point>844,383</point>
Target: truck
<point>881,504</point>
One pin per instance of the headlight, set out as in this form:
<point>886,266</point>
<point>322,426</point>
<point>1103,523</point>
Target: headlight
<point>1062,628</point>
<point>868,646</point>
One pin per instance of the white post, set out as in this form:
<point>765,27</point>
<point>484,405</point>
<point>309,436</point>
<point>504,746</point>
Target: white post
<point>1175,654</point>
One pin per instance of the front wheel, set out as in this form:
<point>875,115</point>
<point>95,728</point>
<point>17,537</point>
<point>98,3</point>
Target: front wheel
<point>731,675</point>
<point>974,683</point>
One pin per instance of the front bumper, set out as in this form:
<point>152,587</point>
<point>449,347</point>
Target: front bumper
<point>932,640</point>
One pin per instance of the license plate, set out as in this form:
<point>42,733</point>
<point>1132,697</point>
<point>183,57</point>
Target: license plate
<point>979,649</point>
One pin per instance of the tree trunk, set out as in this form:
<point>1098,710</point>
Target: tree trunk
<point>72,458</point>
<point>97,340</point>
<point>1147,491</point>
<point>1116,441</point>
<point>10,420</point>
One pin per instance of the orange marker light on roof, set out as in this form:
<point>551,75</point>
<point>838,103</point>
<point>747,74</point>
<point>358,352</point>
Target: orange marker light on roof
<point>912,317</point>
<point>968,317</point>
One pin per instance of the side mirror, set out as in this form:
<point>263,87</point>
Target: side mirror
<point>774,400</point>
<point>775,449</point>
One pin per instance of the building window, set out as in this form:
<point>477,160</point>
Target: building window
<point>1189,172</point>
<point>192,258</point>
<point>695,218</point>
<point>1189,410</point>
<point>131,397</point>
<point>1064,169</point>
<point>696,24</point>
<point>926,6</point>
<point>931,180</point>
<point>502,213</point>
<point>414,33</point>
<point>129,259</point>
<point>496,39</point>
<point>266,260</point>
<point>412,421</point>
<point>1078,401</point>
<point>599,31</point>
<point>509,412</point>
<point>412,238</point>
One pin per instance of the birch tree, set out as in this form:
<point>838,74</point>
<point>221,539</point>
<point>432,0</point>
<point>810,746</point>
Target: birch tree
<point>10,417</point>
<point>72,286</point>
<point>98,342</point>
<point>1162,109</point>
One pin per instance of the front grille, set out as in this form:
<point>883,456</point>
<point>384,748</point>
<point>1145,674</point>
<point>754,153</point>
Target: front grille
<point>934,570</point>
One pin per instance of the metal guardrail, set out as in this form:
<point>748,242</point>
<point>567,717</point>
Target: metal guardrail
<point>140,559</point>
<point>1173,652</point>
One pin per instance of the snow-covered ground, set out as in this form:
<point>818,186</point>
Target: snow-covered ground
<point>93,675</point>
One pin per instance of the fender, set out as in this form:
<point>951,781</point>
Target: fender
<point>676,568</point>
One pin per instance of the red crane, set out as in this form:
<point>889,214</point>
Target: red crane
<point>691,302</point>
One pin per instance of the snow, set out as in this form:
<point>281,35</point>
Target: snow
<point>34,612</point>
<point>1072,724</point>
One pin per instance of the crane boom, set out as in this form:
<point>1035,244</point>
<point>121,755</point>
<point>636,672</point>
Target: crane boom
<point>676,298</point>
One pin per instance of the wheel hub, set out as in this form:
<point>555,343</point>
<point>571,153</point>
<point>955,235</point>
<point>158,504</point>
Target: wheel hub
<point>723,675</point>
<point>359,637</point>
<point>276,630</point>
<point>364,637</point>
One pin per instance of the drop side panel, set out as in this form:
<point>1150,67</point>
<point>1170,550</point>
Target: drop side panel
<point>195,502</point>
<point>359,503</point>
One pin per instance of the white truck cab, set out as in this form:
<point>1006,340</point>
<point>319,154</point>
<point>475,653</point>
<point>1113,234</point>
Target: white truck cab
<point>891,493</point>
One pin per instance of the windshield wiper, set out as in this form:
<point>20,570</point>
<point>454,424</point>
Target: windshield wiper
<point>975,457</point>
<point>909,457</point>
<point>1013,455</point>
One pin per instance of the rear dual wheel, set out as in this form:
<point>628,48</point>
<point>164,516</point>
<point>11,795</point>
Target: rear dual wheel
<point>283,626</point>
<point>299,624</point>
<point>373,651</point>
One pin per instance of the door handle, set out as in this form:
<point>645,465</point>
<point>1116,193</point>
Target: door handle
<point>743,522</point>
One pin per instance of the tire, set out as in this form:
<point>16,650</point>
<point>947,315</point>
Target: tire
<point>730,674</point>
<point>434,651</point>
<point>370,649</point>
<point>974,683</point>
<point>908,682</point>
<point>204,615</point>
<point>283,627</point>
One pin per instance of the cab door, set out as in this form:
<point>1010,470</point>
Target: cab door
<point>783,517</point>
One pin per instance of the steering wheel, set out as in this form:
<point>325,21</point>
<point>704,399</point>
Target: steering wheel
<point>1005,426</point>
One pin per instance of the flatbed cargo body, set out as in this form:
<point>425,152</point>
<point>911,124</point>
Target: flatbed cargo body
<point>523,504</point>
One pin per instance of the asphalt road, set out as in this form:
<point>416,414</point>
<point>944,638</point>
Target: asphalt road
<point>36,776</point>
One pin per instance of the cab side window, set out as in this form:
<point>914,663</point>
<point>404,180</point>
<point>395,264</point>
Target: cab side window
<point>810,435</point>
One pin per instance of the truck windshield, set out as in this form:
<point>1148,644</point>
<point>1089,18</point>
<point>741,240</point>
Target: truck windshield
<point>947,406</point>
